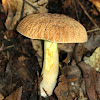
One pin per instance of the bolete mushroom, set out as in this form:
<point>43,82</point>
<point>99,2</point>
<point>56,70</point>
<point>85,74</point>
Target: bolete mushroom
<point>53,29</point>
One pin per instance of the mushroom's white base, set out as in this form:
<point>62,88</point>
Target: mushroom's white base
<point>50,68</point>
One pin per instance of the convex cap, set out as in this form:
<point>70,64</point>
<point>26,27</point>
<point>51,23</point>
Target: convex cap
<point>52,27</point>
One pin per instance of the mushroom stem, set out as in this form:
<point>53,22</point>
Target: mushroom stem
<point>50,68</point>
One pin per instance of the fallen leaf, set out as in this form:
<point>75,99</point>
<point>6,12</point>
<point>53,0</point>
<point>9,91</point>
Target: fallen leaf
<point>20,67</point>
<point>61,90</point>
<point>98,85</point>
<point>15,95</point>
<point>12,3</point>
<point>73,73</point>
<point>13,8</point>
<point>95,12</point>
<point>96,3</point>
<point>22,58</point>
<point>79,50</point>
<point>37,45</point>
<point>10,35</point>
<point>68,47</point>
<point>93,42</point>
<point>1,97</point>
<point>89,75</point>
<point>94,59</point>
<point>81,95</point>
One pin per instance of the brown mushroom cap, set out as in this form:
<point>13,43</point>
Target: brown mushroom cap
<point>52,27</point>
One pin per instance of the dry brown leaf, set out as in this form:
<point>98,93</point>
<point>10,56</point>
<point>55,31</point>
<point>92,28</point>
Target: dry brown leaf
<point>1,97</point>
<point>14,8</point>
<point>22,58</point>
<point>96,3</point>
<point>79,51</point>
<point>20,67</point>
<point>61,90</point>
<point>37,45</point>
<point>73,73</point>
<point>93,42</point>
<point>98,85</point>
<point>89,75</point>
<point>67,47</point>
<point>12,3</point>
<point>15,95</point>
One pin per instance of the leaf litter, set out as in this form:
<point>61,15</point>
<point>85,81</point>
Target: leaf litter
<point>19,61</point>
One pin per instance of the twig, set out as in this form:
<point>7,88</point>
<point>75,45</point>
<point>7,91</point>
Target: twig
<point>8,47</point>
<point>39,92</point>
<point>29,3</point>
<point>74,2</point>
<point>22,9</point>
<point>93,30</point>
<point>45,91</point>
<point>87,13</point>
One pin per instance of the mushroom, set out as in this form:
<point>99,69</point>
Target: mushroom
<point>53,29</point>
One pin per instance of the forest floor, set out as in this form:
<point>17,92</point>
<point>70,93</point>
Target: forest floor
<point>20,70</point>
